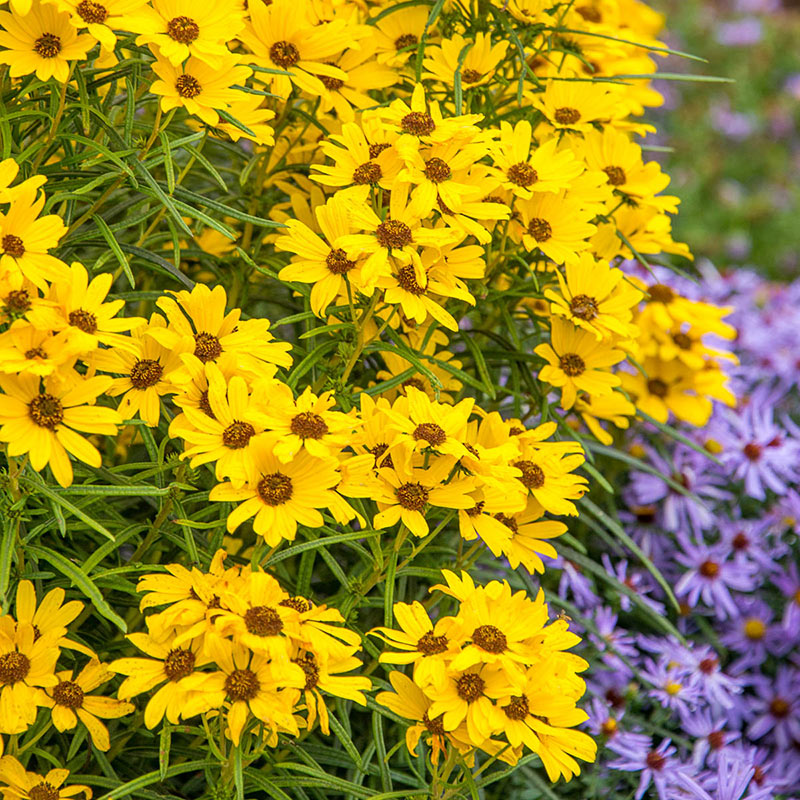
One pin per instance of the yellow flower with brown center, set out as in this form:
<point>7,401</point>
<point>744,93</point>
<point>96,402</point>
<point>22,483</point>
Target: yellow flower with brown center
<point>477,66</point>
<point>26,349</point>
<point>41,41</point>
<point>42,420</point>
<point>23,785</point>
<point>574,105</point>
<point>102,17</point>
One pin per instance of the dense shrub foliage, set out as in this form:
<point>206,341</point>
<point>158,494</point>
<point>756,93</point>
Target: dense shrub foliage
<point>337,338</point>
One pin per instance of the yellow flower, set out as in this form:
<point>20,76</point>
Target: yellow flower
<point>41,41</point>
<point>574,105</point>
<point>477,66</point>
<point>280,494</point>
<point>248,109</point>
<point>79,305</point>
<point>27,663</point>
<point>69,701</point>
<point>168,667</point>
<point>406,494</point>
<point>547,474</point>
<point>101,19</point>
<point>596,297</point>
<point>250,685</point>
<point>529,533</point>
<point>22,785</point>
<point>577,362</point>
<point>42,421</point>
<point>50,618</point>
<point>25,237</point>
<point>556,225</point>
<point>614,407</point>
<point>227,435</point>
<point>199,317</point>
<point>307,424</point>
<point>280,37</point>
<point>397,34</point>
<point>26,349</point>
<point>547,169</point>
<point>182,28</point>
<point>8,172</point>
<point>200,88</point>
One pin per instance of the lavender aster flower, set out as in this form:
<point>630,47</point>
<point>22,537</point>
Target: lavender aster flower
<point>776,707</point>
<point>656,765</point>
<point>672,685</point>
<point>730,782</point>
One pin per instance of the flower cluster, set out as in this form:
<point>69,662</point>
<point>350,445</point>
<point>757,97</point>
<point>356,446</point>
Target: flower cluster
<point>232,642</point>
<point>494,669</point>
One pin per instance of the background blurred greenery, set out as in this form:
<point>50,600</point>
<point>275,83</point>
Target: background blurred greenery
<point>736,159</point>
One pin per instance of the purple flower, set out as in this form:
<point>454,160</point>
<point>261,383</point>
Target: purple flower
<point>673,685</point>
<point>776,707</point>
<point>656,765</point>
<point>709,734</point>
<point>636,580</point>
<point>729,782</point>
<point>573,581</point>
<point>753,635</point>
<point>789,584</point>
<point>710,577</point>
<point>751,540</point>
<point>603,718</point>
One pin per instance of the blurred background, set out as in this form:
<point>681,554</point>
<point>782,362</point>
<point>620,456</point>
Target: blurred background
<point>736,159</point>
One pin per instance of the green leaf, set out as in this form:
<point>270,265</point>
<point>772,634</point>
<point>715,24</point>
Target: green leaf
<point>106,233</point>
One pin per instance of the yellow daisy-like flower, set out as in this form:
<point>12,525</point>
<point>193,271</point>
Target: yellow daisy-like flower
<point>42,421</point>
<point>547,169</point>
<point>547,473</point>
<point>79,305</point>
<point>397,34</point>
<point>200,88</point>
<point>25,237</point>
<point>477,66</point>
<point>614,408</point>
<point>556,225</point>
<point>317,261</point>
<point>307,424</point>
<point>49,618</point>
<point>69,701</point>
<point>182,28</point>
<point>577,362</point>
<point>200,318</point>
<point>250,685</point>
<point>101,19</point>
<point>26,349</point>
<point>406,494</point>
<point>280,494</point>
<point>529,535</point>
<point>23,785</point>
<point>596,297</point>
<point>427,645</point>
<point>168,667</point>
<point>42,41</point>
<point>27,663</point>
<point>280,37</point>
<point>574,105</point>
<point>249,110</point>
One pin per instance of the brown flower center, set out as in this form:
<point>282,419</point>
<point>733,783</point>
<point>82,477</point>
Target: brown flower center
<point>207,346</point>
<point>204,405</point>
<point>583,307</point>
<point>14,667</point>
<point>566,115</point>
<point>308,664</point>
<point>418,123</point>
<point>188,86</point>
<point>179,663</point>
<point>509,522</point>
<point>299,604</point>
<point>393,233</point>
<point>275,489</point>
<point>590,14</point>
<point>376,149</point>
<point>432,645</point>
<point>48,45</point>
<point>572,364</point>
<point>412,496</point>
<point>146,372</point>
<point>657,387</point>
<point>406,40</point>
<point>83,320</point>
<point>490,639</point>
<point>435,725</point>
<point>238,434</point>
<point>684,341</point>
<point>709,569</point>
<point>522,174</point>
<point>17,301</point>
<point>415,382</point>
<point>367,173</point>
<point>46,411</point>
<point>532,474</point>
<point>13,246</point>
<point>68,694</point>
<point>242,684</point>
<point>752,451</point>
<point>655,761</point>
<point>338,263</point>
<point>183,29</point>
<point>540,229</point>
<point>308,425</point>
<point>407,279</point>
<point>616,175</point>
<point>90,12</point>
<point>659,293</point>
<point>780,708</point>
<point>378,450</point>
<point>284,54</point>
<point>471,76</point>
<point>430,432</point>
<point>470,687</point>
<point>708,665</point>
<point>437,170</point>
<point>518,708</point>
<point>263,621</point>
<point>43,791</point>
<point>35,352</point>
